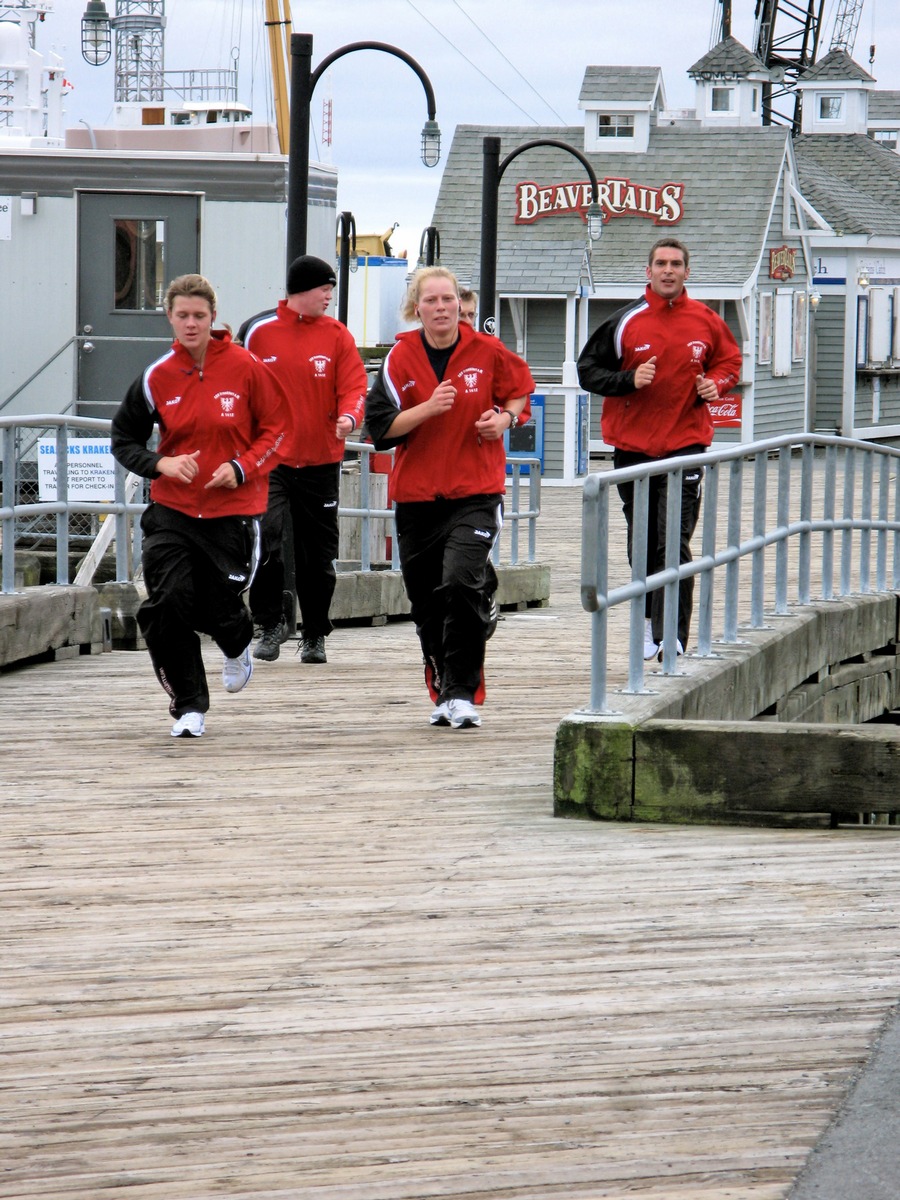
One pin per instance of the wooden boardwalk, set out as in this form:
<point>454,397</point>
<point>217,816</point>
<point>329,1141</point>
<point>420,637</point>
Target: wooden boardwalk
<point>330,953</point>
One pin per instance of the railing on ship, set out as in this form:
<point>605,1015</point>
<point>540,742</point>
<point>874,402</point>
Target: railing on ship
<point>19,441</point>
<point>836,502</point>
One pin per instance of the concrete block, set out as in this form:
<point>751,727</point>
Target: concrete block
<point>735,772</point>
<point>593,766</point>
<point>123,600</point>
<point>43,622</point>
<point>27,569</point>
<point>701,753</point>
<point>525,585</point>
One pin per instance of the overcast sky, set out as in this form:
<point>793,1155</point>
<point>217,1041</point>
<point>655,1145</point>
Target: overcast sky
<point>517,62</point>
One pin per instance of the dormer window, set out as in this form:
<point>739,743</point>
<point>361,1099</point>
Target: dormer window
<point>721,100</point>
<point>615,125</point>
<point>831,107</point>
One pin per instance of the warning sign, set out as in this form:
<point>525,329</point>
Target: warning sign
<point>91,474</point>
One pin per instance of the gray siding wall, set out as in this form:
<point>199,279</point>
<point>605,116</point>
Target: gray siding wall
<point>545,336</point>
<point>828,334</point>
<point>780,401</point>
<point>888,400</point>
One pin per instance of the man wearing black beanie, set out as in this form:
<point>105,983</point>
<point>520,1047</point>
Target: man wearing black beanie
<point>315,359</point>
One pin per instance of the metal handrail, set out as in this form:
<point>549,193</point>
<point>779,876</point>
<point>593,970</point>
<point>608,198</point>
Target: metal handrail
<point>127,535</point>
<point>869,517</point>
<point>33,376</point>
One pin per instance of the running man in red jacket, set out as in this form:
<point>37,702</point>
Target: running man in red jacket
<point>444,397</point>
<point>658,363</point>
<point>316,360</point>
<point>222,419</point>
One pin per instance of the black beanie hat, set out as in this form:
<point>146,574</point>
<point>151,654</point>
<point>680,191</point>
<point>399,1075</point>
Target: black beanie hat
<point>308,272</point>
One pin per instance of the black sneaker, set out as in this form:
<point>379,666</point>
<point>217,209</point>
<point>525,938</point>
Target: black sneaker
<point>269,645</point>
<point>312,650</point>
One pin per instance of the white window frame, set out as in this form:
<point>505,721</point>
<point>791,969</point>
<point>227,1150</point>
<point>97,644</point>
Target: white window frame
<point>783,338</point>
<point>878,341</point>
<point>798,349</point>
<point>726,90</point>
<point>829,97</point>
<point>862,330</point>
<point>764,342</point>
<point>620,125</point>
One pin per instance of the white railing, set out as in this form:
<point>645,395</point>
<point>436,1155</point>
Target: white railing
<point>19,437</point>
<point>836,503</point>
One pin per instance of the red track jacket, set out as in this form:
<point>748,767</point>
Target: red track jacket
<point>234,410</point>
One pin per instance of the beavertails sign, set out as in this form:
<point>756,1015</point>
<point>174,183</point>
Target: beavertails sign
<point>618,198</point>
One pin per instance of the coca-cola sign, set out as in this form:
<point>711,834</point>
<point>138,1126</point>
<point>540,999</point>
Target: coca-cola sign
<point>726,412</point>
<point>617,197</point>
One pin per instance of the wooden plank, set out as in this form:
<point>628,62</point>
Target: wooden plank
<point>330,952</point>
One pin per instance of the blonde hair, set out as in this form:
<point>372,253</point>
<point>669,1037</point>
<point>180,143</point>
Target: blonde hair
<point>408,311</point>
<point>190,285</point>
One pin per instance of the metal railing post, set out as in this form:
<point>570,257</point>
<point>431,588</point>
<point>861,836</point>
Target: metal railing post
<point>8,523</point>
<point>62,497</point>
<point>758,558</point>
<point>783,516</point>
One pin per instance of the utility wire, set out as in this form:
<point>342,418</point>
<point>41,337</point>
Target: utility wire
<point>532,119</point>
<point>472,22</point>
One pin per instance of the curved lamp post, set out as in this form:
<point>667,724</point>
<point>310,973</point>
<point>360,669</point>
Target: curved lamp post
<point>303,81</point>
<point>346,229</point>
<point>490,184</point>
<point>429,247</point>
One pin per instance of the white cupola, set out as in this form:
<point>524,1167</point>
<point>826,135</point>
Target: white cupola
<point>620,104</point>
<point>835,94</point>
<point>729,81</point>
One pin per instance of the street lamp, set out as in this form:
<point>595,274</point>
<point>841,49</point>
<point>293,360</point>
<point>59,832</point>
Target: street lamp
<point>346,226</point>
<point>303,82</point>
<point>96,37</point>
<point>490,184</point>
<point>429,247</point>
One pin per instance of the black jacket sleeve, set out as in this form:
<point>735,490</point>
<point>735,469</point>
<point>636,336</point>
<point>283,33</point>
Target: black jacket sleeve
<point>381,412</point>
<point>132,427</point>
<point>242,333</point>
<point>599,366</point>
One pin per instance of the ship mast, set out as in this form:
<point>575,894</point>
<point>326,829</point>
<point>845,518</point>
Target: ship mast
<point>278,24</point>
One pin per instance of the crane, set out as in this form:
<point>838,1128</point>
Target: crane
<point>786,39</point>
<point>846,24</point>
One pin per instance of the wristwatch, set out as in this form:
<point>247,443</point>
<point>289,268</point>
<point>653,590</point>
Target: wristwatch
<point>513,419</point>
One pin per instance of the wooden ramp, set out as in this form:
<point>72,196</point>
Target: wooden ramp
<point>330,953</point>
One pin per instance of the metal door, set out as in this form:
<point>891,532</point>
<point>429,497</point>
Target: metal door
<point>130,246</point>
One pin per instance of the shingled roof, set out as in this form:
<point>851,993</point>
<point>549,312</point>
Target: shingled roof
<point>852,181</point>
<point>730,178</point>
<point>729,57</point>
<point>884,106</point>
<point>836,65</point>
<point>620,85</point>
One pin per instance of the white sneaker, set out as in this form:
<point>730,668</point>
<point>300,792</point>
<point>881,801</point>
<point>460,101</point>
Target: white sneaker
<point>679,649</point>
<point>651,647</point>
<point>463,714</point>
<point>441,715</point>
<point>189,724</point>
<point>237,671</point>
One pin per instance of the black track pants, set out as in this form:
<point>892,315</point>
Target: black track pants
<point>691,493</point>
<point>445,548</point>
<point>196,571</point>
<point>310,495</point>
